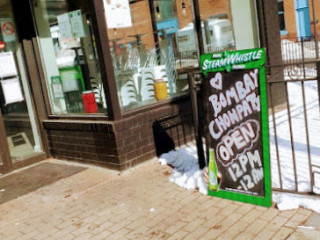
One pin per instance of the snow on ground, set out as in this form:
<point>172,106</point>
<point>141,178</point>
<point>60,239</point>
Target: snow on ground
<point>186,169</point>
<point>187,174</point>
<point>292,50</point>
<point>299,136</point>
<point>307,159</point>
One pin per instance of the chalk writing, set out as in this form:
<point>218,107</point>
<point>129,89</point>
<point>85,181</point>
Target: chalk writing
<point>237,140</point>
<point>234,107</point>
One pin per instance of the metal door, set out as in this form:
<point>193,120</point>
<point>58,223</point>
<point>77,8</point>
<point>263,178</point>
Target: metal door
<point>20,128</point>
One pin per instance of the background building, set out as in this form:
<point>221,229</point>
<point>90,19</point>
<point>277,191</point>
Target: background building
<point>296,18</point>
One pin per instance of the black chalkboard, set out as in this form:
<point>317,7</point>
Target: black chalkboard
<point>237,125</point>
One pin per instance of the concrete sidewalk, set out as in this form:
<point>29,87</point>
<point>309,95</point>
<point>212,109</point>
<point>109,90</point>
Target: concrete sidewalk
<point>141,203</point>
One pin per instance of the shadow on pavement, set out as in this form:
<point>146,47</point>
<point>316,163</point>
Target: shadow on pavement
<point>17,184</point>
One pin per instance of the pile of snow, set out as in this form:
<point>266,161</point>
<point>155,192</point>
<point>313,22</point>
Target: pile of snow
<point>186,169</point>
<point>292,50</point>
<point>286,201</point>
<point>188,175</point>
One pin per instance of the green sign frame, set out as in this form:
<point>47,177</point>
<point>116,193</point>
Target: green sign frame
<point>238,64</point>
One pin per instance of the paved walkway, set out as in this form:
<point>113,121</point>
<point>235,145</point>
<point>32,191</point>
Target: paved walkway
<point>95,203</point>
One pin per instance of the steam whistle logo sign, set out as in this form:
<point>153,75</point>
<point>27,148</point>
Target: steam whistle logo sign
<point>237,106</point>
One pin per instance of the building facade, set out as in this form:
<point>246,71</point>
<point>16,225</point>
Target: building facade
<point>298,18</point>
<point>106,81</point>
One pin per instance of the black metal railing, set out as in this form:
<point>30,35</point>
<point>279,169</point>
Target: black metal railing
<point>294,128</point>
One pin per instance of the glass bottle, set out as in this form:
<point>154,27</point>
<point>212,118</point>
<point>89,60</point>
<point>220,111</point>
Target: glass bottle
<point>212,172</point>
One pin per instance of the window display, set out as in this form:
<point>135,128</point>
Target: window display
<point>228,25</point>
<point>147,49</point>
<point>69,56</point>
<point>222,27</point>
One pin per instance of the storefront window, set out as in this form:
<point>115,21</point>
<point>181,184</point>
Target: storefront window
<point>69,56</point>
<point>228,25</point>
<point>149,43</point>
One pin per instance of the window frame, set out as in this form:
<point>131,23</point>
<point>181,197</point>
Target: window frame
<point>95,10</point>
<point>118,113</point>
<point>114,111</point>
<point>282,15</point>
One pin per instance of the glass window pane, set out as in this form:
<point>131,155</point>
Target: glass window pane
<point>149,43</point>
<point>280,6</point>
<point>228,25</point>
<point>281,16</point>
<point>282,22</point>
<point>69,56</point>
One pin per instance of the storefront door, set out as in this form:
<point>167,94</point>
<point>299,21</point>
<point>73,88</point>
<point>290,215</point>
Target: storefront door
<point>20,138</point>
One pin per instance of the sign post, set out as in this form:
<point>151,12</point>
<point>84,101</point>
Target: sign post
<point>237,121</point>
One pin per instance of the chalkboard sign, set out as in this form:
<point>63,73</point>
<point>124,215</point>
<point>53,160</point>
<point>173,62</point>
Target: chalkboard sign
<point>237,123</point>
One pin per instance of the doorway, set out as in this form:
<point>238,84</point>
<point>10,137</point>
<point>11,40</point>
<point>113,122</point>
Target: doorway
<point>19,124</point>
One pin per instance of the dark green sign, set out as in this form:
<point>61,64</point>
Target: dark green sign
<point>236,100</point>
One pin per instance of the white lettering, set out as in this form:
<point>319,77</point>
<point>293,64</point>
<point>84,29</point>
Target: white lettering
<point>241,90</point>
<point>237,141</point>
<point>243,162</point>
<point>254,75</point>
<point>231,94</point>
<point>254,158</point>
<point>215,104</point>
<point>249,84</point>
<point>216,82</point>
<point>213,133</point>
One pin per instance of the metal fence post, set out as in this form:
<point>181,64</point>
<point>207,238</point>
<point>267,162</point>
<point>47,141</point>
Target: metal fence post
<point>315,21</point>
<point>196,120</point>
<point>318,81</point>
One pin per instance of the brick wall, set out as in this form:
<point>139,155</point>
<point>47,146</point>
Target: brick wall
<point>184,19</point>
<point>290,18</point>
<point>270,31</point>
<point>317,15</point>
<point>82,140</point>
<point>141,24</point>
<point>212,7</point>
<point>121,144</point>
<point>141,19</point>
<point>270,39</point>
<point>207,8</point>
